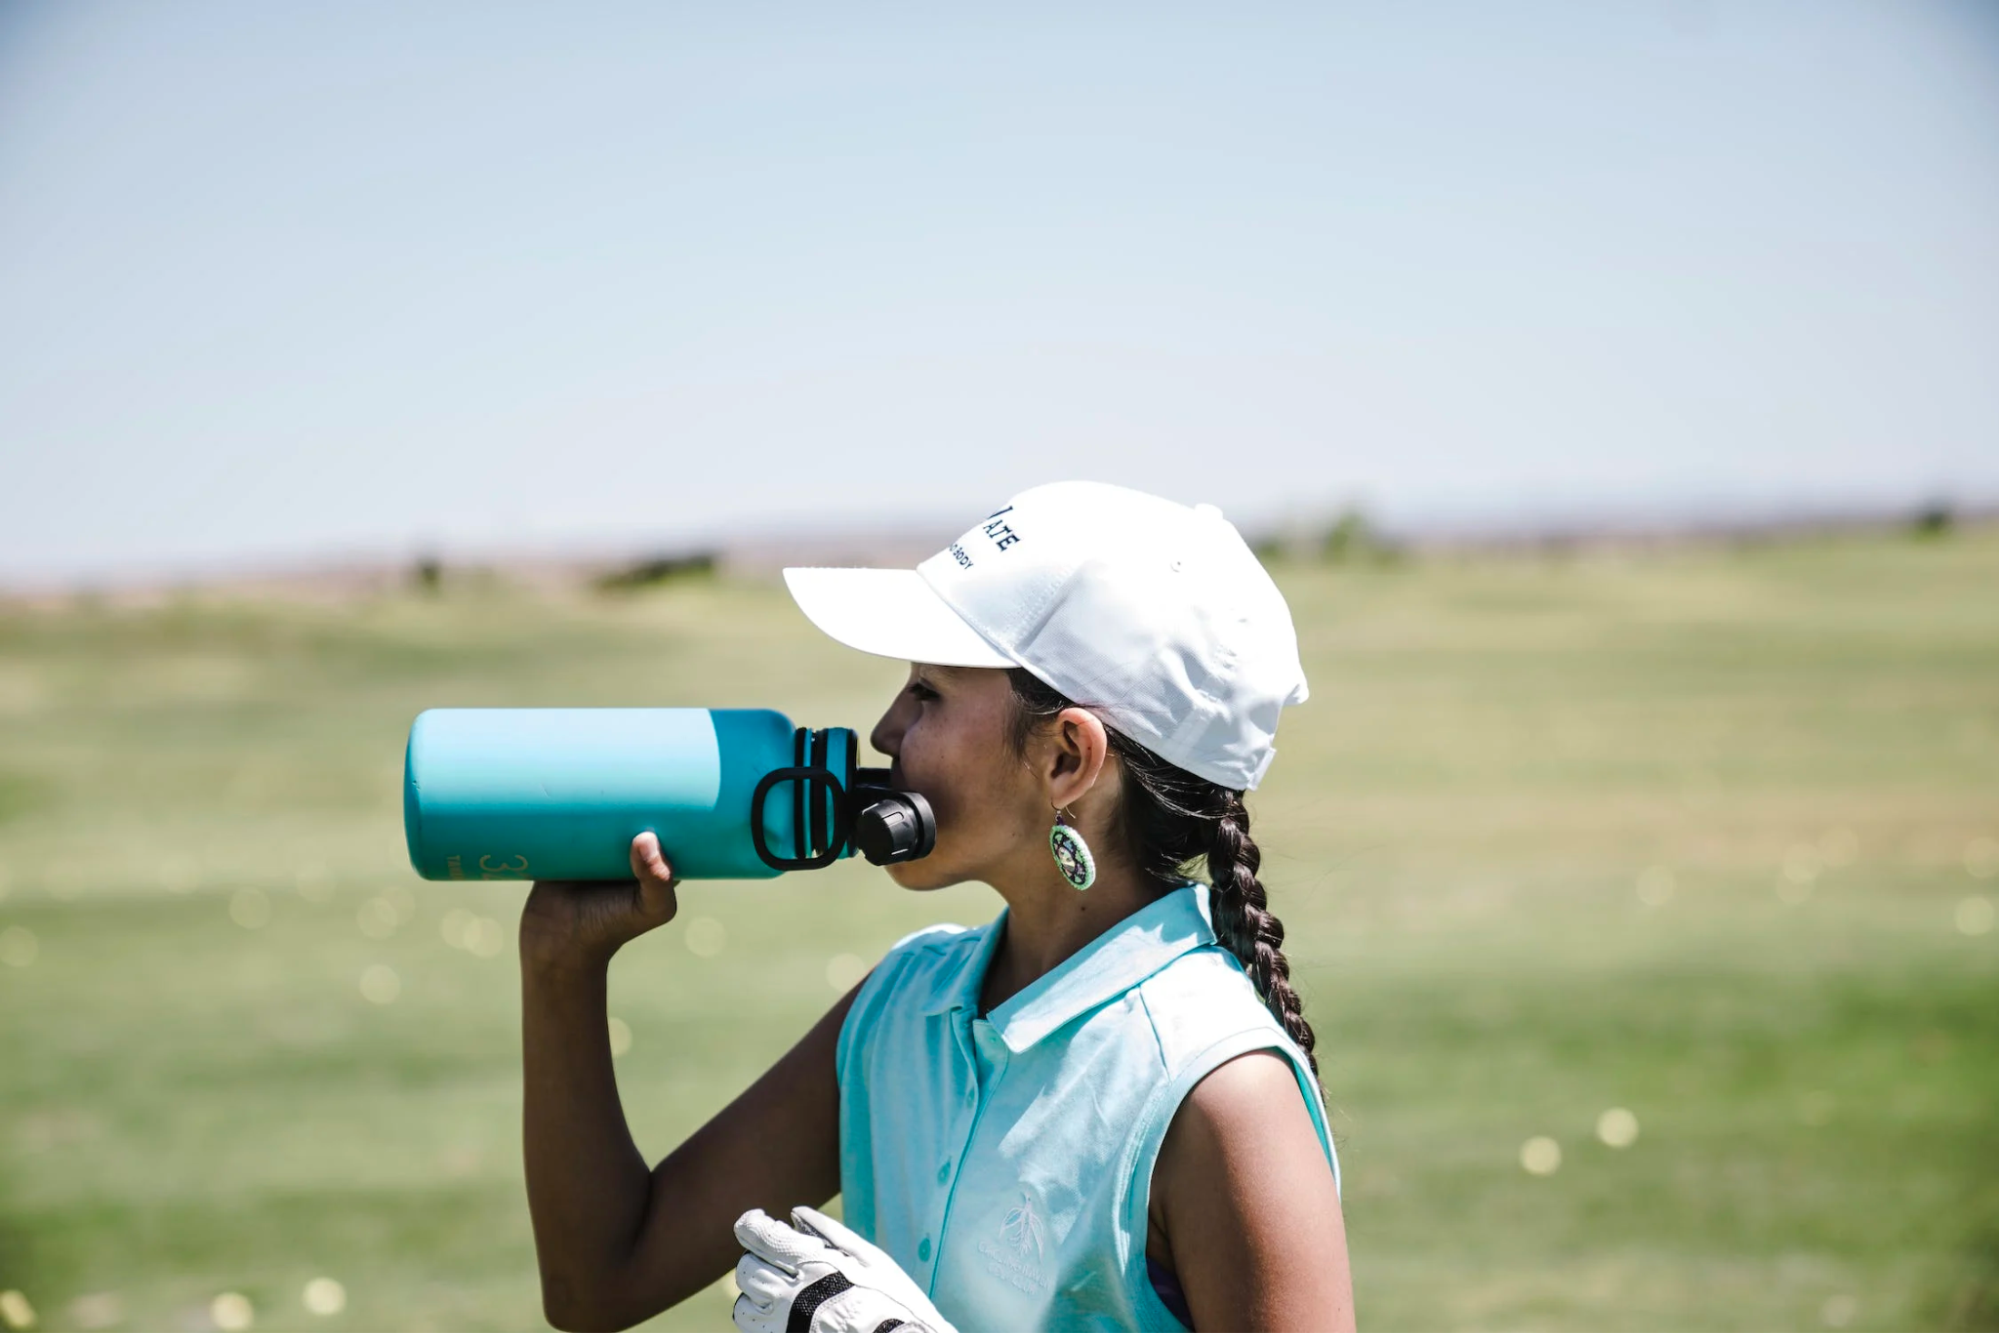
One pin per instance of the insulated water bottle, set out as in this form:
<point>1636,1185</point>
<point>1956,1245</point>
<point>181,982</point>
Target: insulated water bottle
<point>559,794</point>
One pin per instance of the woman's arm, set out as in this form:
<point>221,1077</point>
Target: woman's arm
<point>618,1243</point>
<point>1245,1198</point>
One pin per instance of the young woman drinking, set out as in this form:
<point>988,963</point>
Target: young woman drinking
<point>1098,1111</point>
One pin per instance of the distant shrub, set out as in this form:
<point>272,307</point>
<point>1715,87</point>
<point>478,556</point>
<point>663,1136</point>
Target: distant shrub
<point>427,574</point>
<point>1349,537</point>
<point>657,570</point>
<point>1933,520</point>
<point>1354,538</point>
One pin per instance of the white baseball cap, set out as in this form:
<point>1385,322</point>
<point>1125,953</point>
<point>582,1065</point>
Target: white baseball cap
<point>1156,615</point>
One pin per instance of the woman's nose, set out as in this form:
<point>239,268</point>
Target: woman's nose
<point>887,736</point>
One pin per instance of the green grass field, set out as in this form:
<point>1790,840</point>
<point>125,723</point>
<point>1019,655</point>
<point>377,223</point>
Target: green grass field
<point>1706,835</point>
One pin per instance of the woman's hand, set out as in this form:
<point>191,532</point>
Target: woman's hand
<point>782,1279</point>
<point>568,923</point>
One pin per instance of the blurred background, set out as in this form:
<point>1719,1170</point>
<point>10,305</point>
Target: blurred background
<point>1611,389</point>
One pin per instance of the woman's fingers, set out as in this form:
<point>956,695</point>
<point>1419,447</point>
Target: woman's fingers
<point>564,920</point>
<point>648,862</point>
<point>657,900</point>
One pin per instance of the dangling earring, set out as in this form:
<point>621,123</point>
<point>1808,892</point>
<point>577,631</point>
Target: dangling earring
<point>1072,854</point>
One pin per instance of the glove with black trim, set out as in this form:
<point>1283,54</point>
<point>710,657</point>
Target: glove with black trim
<point>819,1274</point>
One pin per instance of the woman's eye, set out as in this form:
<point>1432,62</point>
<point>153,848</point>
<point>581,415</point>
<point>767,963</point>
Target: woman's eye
<point>921,691</point>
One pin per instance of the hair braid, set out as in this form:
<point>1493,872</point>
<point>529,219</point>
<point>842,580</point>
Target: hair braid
<point>1171,819</point>
<point>1245,924</point>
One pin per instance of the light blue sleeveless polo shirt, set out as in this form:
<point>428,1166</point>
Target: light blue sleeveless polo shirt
<point>1005,1162</point>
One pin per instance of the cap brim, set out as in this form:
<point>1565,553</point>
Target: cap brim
<point>894,613</point>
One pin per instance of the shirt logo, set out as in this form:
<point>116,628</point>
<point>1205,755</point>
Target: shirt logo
<point>1015,1258</point>
<point>1022,1227</point>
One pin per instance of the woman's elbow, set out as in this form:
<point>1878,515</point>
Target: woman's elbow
<point>567,1307</point>
<point>564,1313</point>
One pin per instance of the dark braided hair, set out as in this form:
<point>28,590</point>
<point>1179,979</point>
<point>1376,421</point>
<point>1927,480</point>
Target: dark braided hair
<point>1168,820</point>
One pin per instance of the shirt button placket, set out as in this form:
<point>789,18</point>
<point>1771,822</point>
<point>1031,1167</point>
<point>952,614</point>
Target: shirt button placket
<point>968,1121</point>
<point>968,1071</point>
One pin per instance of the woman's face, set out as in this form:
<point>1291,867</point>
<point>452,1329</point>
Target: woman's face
<point>946,736</point>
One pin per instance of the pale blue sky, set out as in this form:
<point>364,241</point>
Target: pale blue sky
<point>283,281</point>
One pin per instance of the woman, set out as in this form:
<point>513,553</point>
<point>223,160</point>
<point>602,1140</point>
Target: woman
<point>1101,1109</point>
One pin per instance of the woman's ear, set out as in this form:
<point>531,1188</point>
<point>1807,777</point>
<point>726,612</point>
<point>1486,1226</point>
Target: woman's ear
<point>1078,747</point>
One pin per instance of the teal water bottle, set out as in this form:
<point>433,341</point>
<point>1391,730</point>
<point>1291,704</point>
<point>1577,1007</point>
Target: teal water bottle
<point>559,794</point>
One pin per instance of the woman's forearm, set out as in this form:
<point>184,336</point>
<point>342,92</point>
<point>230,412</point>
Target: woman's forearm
<point>617,1242</point>
<point>587,1182</point>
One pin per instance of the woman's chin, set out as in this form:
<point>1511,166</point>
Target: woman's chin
<point>920,875</point>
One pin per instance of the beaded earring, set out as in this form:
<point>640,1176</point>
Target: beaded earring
<point>1072,854</point>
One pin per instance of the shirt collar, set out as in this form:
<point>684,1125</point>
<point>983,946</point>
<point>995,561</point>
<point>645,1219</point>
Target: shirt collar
<point>1101,971</point>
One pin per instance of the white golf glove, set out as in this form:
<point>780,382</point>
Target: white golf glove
<point>817,1274</point>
